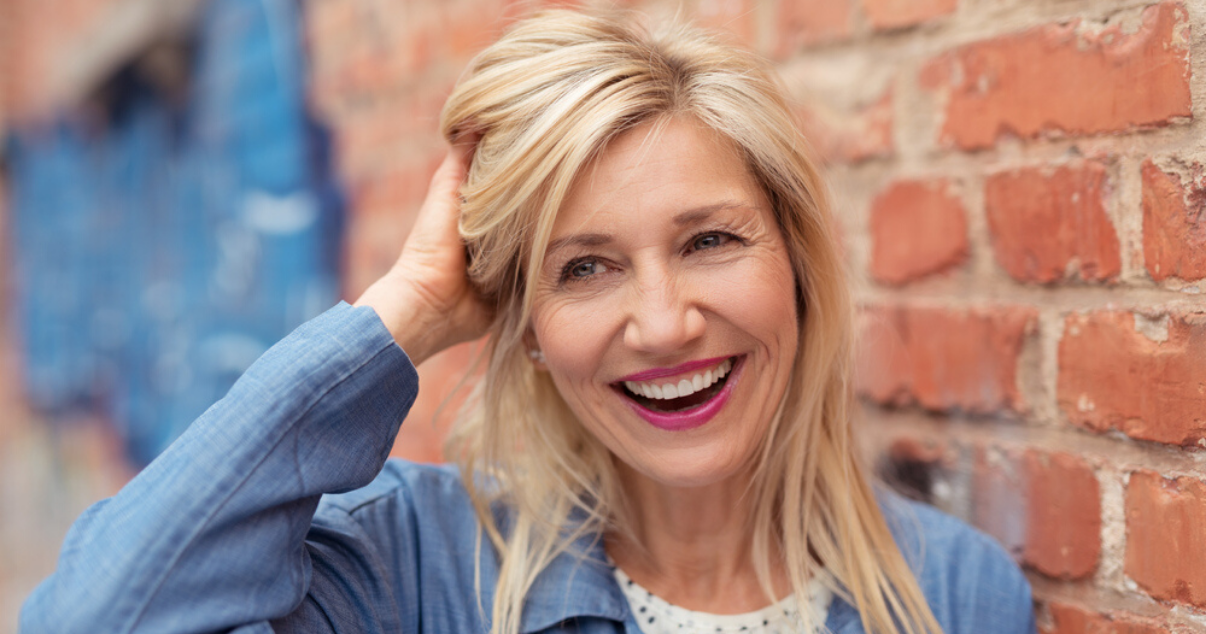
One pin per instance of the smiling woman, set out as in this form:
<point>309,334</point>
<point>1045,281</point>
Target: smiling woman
<point>685,279</point>
<point>662,439</point>
<point>644,214</point>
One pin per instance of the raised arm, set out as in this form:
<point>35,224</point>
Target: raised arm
<point>212,535</point>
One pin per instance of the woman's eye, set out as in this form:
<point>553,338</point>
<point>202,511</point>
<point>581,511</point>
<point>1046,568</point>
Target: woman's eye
<point>709,241</point>
<point>581,269</point>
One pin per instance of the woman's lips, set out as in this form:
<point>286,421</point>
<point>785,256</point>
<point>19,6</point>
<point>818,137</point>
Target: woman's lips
<point>690,417</point>
<point>683,368</point>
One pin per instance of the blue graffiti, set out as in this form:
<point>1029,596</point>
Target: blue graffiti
<point>160,248</point>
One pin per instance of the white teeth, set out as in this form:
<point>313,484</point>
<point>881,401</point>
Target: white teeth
<point>685,386</point>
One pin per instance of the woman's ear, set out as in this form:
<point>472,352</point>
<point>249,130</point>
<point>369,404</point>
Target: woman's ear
<point>535,355</point>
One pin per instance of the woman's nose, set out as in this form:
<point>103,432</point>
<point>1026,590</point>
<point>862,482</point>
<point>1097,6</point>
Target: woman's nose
<point>663,317</point>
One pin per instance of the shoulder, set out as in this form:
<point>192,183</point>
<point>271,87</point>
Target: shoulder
<point>421,508</point>
<point>407,491</point>
<point>415,520</point>
<point>970,582</point>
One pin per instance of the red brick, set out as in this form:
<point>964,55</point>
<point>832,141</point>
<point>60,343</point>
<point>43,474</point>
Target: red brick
<point>467,32</point>
<point>1165,551</point>
<point>1070,619</point>
<point>1063,531</point>
<point>1046,508</point>
<point>895,14</point>
<point>849,136</point>
<point>1145,376</point>
<point>999,505</point>
<point>944,359</point>
<point>918,468</point>
<point>374,243</point>
<point>1174,223</point>
<point>396,191</point>
<point>734,16</point>
<point>1060,79</point>
<point>917,228</point>
<point>805,22</point>
<point>1047,222</point>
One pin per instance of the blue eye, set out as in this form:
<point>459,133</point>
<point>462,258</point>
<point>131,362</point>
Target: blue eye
<point>709,241</point>
<point>582,269</point>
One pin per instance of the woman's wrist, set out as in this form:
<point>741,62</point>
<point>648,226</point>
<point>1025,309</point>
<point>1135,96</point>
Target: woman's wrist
<point>413,326</point>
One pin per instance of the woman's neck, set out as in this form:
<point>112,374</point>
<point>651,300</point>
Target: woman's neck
<point>693,546</point>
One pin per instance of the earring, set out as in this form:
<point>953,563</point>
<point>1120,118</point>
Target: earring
<point>536,355</point>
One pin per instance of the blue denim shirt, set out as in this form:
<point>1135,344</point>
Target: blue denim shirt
<point>278,511</point>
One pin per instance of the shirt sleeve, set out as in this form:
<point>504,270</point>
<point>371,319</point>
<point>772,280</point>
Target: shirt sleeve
<point>211,536</point>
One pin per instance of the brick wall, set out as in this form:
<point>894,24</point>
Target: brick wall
<point>1021,191</point>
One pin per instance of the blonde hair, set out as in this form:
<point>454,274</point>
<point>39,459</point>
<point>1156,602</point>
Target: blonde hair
<point>547,98</point>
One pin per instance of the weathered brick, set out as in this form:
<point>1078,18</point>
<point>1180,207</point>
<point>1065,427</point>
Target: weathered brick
<point>999,506</point>
<point>1063,536</point>
<point>1064,79</point>
<point>895,14</point>
<point>804,22</point>
<point>942,358</point>
<point>919,469</point>
<point>1174,223</point>
<point>375,243</point>
<point>1070,619</point>
<point>917,228</point>
<point>735,16</point>
<point>1143,375</point>
<point>1047,223</point>
<point>1045,507</point>
<point>1165,551</point>
<point>467,30</point>
<point>849,136</point>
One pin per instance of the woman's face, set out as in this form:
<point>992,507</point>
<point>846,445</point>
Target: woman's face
<point>666,305</point>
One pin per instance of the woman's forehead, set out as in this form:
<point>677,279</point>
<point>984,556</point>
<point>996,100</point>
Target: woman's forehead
<point>662,169</point>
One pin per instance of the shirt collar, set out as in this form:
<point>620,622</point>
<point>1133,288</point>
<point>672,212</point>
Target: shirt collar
<point>579,582</point>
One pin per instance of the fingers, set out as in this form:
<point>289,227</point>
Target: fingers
<point>463,147</point>
<point>438,216</point>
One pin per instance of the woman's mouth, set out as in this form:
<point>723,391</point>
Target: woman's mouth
<point>685,393</point>
<point>683,401</point>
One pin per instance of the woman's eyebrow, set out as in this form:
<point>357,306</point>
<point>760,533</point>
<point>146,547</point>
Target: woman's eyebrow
<point>699,214</point>
<point>682,218</point>
<point>581,239</point>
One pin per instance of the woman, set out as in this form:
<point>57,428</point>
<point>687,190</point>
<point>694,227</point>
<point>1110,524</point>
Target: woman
<point>661,441</point>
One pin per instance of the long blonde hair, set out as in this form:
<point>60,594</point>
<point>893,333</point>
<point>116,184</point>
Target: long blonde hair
<point>546,99</point>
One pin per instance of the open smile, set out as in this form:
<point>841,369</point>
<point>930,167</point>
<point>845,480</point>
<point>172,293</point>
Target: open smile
<point>684,400</point>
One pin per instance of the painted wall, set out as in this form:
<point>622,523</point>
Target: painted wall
<point>160,238</point>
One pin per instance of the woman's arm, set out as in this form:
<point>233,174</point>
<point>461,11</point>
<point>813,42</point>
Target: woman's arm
<point>212,534</point>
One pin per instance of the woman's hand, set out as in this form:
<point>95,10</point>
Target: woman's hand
<point>426,299</point>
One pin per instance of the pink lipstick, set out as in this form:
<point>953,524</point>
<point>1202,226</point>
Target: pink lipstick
<point>690,417</point>
<point>659,373</point>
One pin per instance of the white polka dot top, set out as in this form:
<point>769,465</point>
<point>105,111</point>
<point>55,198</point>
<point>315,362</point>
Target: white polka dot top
<point>656,616</point>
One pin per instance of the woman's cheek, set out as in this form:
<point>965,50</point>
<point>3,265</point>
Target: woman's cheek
<point>571,334</point>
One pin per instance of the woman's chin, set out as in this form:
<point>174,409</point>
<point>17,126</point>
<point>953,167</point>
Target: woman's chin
<point>689,470</point>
